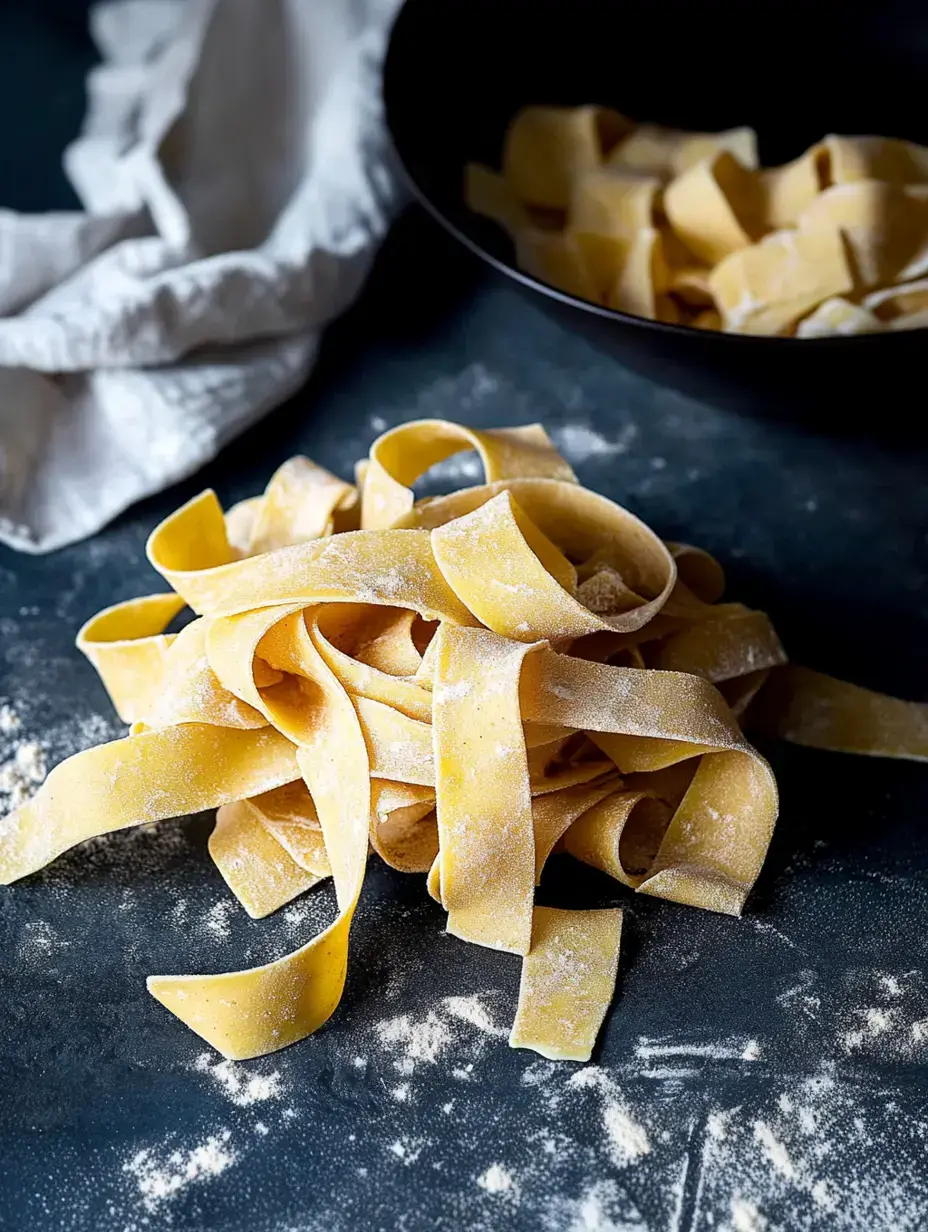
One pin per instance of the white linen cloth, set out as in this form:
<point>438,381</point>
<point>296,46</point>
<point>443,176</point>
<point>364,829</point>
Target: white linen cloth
<point>235,177</point>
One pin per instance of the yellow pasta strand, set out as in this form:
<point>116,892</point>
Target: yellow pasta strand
<point>568,980</point>
<point>467,685</point>
<point>686,228</point>
<point>256,868</point>
<point>484,801</point>
<point>810,708</point>
<point>127,644</point>
<point>148,777</point>
<point>546,147</point>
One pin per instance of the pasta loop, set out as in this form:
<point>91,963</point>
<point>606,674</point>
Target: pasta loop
<point>465,685</point>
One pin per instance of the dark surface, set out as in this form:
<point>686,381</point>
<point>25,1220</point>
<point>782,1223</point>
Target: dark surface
<point>458,70</point>
<point>825,1129</point>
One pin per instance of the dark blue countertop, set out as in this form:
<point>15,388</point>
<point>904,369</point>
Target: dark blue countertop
<point>761,1074</point>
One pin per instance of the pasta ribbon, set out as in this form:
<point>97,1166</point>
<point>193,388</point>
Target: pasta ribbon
<point>465,685</point>
<point>688,229</point>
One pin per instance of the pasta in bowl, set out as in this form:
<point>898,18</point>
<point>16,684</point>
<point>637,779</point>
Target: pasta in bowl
<point>689,229</point>
<point>698,84</point>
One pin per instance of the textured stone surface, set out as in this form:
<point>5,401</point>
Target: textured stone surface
<point>825,974</point>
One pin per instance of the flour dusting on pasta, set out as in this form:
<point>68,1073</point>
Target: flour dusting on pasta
<point>464,685</point>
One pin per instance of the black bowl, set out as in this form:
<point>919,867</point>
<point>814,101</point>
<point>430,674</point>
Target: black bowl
<point>456,72</point>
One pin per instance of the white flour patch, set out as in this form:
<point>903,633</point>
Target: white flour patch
<point>21,773</point>
<point>580,443</point>
<point>38,941</point>
<point>727,1050</point>
<point>414,1043</point>
<point>462,469</point>
<point>473,1011</point>
<point>874,1022</point>
<point>885,1021</point>
<point>816,1153</point>
<point>407,1150</point>
<point>161,1177</point>
<point>238,1085</point>
<point>774,1150</point>
<point>628,1140</point>
<point>745,1217</point>
<point>444,1034</point>
<point>216,920</point>
<point>26,754</point>
<point>498,1180</point>
<point>538,1073</point>
<point>601,1207</point>
<point>472,387</point>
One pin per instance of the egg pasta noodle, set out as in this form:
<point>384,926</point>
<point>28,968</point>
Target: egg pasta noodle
<point>461,685</point>
<point>689,229</point>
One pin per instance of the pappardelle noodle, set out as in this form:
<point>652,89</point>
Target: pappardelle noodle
<point>462,685</point>
<point>689,229</point>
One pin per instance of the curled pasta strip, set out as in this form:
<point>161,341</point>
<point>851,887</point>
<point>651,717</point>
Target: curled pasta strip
<point>465,685</point>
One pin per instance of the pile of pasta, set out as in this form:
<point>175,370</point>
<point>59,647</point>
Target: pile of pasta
<point>687,228</point>
<point>463,685</point>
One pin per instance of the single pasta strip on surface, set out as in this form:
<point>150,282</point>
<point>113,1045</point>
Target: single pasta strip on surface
<point>568,981</point>
<point>468,686</point>
<point>809,708</point>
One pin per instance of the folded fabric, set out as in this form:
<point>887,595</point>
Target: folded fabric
<point>236,179</point>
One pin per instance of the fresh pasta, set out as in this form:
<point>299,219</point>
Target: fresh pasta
<point>464,685</point>
<point>688,228</point>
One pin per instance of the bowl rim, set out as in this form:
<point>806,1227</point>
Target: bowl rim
<point>718,337</point>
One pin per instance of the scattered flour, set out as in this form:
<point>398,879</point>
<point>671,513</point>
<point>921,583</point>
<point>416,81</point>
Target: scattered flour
<point>22,773</point>
<point>216,919</point>
<point>498,1180</point>
<point>444,1032</point>
<point>875,1021</point>
<point>417,1043</point>
<point>774,1150</point>
<point>601,1207</point>
<point>407,1150</point>
<point>580,443</point>
<point>628,1141</point>
<point>25,757</point>
<point>472,1010</point>
<point>728,1050</point>
<point>745,1217</point>
<point>460,469</point>
<point>814,1155</point>
<point>239,1086</point>
<point>37,941</point>
<point>160,1178</point>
